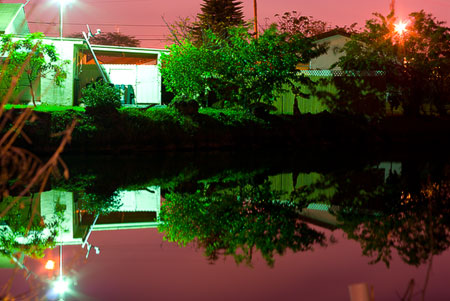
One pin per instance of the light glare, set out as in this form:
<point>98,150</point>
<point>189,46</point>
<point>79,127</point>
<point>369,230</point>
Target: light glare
<point>50,265</point>
<point>400,27</point>
<point>60,286</point>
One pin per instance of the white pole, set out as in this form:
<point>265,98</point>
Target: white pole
<point>61,11</point>
<point>60,262</point>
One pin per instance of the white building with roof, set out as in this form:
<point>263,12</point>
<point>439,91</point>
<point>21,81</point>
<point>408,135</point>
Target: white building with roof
<point>133,70</point>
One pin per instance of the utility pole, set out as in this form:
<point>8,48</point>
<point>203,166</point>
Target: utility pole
<point>256,18</point>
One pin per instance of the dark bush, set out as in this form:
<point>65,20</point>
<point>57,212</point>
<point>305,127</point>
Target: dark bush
<point>185,106</point>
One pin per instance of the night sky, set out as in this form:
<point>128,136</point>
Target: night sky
<point>143,18</point>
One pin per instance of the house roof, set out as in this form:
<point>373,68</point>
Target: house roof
<point>333,32</point>
<point>12,19</point>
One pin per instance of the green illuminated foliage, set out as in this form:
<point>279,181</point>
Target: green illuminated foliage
<point>32,59</point>
<point>24,230</point>
<point>101,96</point>
<point>237,222</point>
<point>237,70</point>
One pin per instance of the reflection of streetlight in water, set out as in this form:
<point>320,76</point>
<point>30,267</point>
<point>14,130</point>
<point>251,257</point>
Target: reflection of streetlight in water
<point>60,285</point>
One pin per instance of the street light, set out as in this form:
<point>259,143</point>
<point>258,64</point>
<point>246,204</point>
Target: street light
<point>62,3</point>
<point>400,27</point>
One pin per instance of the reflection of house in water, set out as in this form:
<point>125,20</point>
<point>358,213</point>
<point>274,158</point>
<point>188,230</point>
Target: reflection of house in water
<point>138,209</point>
<point>320,213</point>
<point>315,213</point>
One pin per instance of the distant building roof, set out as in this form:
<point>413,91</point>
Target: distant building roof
<point>12,19</point>
<point>333,32</point>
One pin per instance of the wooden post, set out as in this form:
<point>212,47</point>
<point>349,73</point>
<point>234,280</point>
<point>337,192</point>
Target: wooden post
<point>256,18</point>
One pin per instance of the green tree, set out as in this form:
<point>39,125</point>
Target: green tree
<point>237,222</point>
<point>408,68</point>
<point>218,16</point>
<point>25,231</point>
<point>32,58</point>
<point>239,69</point>
<point>110,38</point>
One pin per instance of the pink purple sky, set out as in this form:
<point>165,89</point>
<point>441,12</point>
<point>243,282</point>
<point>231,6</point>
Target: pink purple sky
<point>138,265</point>
<point>143,18</point>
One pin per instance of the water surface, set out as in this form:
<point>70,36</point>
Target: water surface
<point>290,226</point>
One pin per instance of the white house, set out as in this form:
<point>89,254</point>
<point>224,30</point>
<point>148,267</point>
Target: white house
<point>335,40</point>
<point>131,69</point>
<point>12,19</point>
<point>138,209</point>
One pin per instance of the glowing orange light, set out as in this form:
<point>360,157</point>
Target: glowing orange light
<point>400,27</point>
<point>50,265</point>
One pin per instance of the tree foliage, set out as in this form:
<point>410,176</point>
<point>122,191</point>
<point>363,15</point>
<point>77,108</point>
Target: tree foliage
<point>239,69</point>
<point>101,96</point>
<point>217,16</point>
<point>111,38</point>
<point>31,58</point>
<point>26,232</point>
<point>413,67</point>
<point>237,222</point>
<point>181,30</point>
<point>294,23</point>
<point>406,213</point>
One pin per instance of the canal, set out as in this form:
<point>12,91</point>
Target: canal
<point>234,225</point>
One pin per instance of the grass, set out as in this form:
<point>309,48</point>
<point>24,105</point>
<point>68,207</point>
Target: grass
<point>44,108</point>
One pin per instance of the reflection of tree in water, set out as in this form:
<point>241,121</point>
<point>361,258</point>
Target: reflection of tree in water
<point>26,233</point>
<point>417,231</point>
<point>408,213</point>
<point>237,221</point>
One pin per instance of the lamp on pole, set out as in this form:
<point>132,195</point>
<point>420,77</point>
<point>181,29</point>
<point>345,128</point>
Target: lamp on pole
<point>62,3</point>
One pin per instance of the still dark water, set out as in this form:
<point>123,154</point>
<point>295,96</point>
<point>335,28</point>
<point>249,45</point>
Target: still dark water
<point>235,226</point>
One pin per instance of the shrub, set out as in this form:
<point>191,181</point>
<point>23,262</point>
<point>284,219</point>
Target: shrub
<point>101,96</point>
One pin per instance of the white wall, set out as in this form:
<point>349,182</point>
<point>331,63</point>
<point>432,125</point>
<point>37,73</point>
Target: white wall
<point>145,79</point>
<point>49,199</point>
<point>141,200</point>
<point>63,95</point>
<point>325,61</point>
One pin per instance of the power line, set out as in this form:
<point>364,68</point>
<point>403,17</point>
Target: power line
<point>102,24</point>
<point>149,35</point>
<point>116,1</point>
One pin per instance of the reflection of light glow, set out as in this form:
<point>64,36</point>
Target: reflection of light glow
<point>400,27</point>
<point>50,265</point>
<point>61,286</point>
